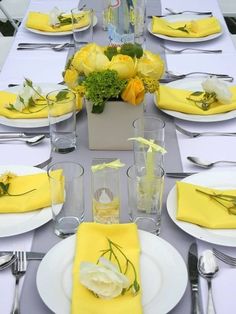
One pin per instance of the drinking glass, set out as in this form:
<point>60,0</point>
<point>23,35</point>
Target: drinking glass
<point>145,191</point>
<point>150,128</point>
<point>82,35</point>
<point>67,196</point>
<point>62,120</point>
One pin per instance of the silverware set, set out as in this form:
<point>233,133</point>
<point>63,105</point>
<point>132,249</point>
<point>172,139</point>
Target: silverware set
<point>53,46</point>
<point>198,134</point>
<point>171,77</point>
<point>189,49</point>
<point>18,261</point>
<point>172,12</point>
<point>198,266</point>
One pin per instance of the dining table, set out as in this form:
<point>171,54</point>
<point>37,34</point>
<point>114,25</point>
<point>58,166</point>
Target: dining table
<point>45,66</point>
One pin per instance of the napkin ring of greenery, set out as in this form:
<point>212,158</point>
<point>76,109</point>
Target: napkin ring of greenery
<point>5,184</point>
<point>27,102</point>
<point>223,198</point>
<point>205,101</point>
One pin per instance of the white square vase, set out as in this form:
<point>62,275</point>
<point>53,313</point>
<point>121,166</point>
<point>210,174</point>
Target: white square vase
<point>110,129</point>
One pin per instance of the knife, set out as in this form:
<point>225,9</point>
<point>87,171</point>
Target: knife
<point>29,255</point>
<point>179,174</point>
<point>6,135</point>
<point>193,277</point>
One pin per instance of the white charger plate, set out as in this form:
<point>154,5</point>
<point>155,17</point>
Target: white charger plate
<point>95,20</point>
<point>217,180</point>
<point>183,17</point>
<point>13,223</point>
<point>163,275</point>
<point>32,123</point>
<point>194,84</point>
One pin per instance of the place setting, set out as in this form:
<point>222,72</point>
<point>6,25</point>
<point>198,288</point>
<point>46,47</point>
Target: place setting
<point>186,26</point>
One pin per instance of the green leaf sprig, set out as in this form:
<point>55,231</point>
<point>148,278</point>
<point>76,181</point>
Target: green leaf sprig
<point>205,101</point>
<point>222,199</point>
<point>181,28</point>
<point>115,253</point>
<point>5,184</point>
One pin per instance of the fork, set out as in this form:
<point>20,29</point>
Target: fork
<point>197,134</point>
<point>172,77</point>
<point>181,12</point>
<point>230,260</point>
<point>18,270</point>
<point>190,49</point>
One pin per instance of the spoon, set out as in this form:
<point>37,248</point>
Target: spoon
<point>31,141</point>
<point>207,164</point>
<point>7,260</point>
<point>61,47</point>
<point>208,268</point>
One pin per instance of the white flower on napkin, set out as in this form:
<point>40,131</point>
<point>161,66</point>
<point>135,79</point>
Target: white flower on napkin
<point>25,95</point>
<point>104,279</point>
<point>53,16</point>
<point>214,85</point>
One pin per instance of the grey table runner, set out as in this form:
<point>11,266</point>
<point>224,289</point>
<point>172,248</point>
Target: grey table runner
<point>44,237</point>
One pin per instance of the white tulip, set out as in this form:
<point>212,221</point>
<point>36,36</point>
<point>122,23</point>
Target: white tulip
<point>104,279</point>
<point>214,85</point>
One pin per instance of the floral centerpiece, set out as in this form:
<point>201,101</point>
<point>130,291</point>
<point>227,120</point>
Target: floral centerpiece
<point>103,73</point>
<point>106,74</point>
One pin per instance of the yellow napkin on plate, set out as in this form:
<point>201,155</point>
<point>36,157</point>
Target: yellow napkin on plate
<point>34,200</point>
<point>169,98</point>
<point>197,28</point>
<point>7,98</point>
<point>200,209</point>
<point>40,21</point>
<point>91,239</point>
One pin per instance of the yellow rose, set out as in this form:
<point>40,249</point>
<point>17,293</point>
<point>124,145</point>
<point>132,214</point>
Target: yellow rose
<point>71,78</point>
<point>134,92</point>
<point>95,61</point>
<point>151,65</point>
<point>83,54</point>
<point>124,65</point>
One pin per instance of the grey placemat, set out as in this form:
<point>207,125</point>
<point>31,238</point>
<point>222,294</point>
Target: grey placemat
<point>44,238</point>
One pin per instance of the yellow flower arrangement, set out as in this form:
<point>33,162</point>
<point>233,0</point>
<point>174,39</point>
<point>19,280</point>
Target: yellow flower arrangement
<point>124,73</point>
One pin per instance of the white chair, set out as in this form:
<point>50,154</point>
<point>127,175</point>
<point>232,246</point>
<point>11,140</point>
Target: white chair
<point>13,10</point>
<point>234,39</point>
<point>5,44</point>
<point>228,7</point>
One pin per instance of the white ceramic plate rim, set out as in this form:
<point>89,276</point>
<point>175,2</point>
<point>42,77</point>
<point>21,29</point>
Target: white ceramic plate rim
<point>13,224</point>
<point>224,180</point>
<point>95,20</point>
<point>157,254</point>
<point>30,123</point>
<point>181,17</point>
<point>195,84</point>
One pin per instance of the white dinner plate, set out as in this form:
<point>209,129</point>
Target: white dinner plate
<point>194,84</point>
<point>163,275</point>
<point>216,180</point>
<point>183,17</point>
<point>32,123</point>
<point>95,20</point>
<point>13,223</point>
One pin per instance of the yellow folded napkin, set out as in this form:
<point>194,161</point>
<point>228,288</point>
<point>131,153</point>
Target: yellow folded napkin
<point>169,98</point>
<point>40,21</point>
<point>91,239</point>
<point>39,198</point>
<point>7,98</point>
<point>193,29</point>
<point>200,209</point>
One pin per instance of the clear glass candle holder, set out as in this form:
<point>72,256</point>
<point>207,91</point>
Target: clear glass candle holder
<point>105,189</point>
